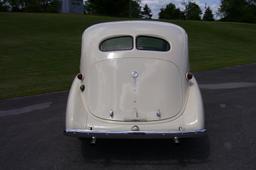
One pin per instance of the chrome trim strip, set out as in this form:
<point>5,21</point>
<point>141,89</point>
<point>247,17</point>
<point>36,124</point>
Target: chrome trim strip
<point>134,134</point>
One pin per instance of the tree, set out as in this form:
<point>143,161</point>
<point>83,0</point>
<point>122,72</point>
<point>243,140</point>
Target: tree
<point>208,16</point>
<point>34,5</point>
<point>238,10</point>
<point>3,5</point>
<point>232,10</point>
<point>53,6</point>
<point>41,6</point>
<point>192,11</point>
<point>146,13</point>
<point>120,8</point>
<point>171,12</point>
<point>135,9</point>
<point>16,5</point>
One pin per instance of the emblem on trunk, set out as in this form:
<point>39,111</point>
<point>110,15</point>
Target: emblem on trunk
<point>135,74</point>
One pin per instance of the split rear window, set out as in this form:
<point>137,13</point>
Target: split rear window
<point>121,43</point>
<point>151,44</point>
<point>117,44</point>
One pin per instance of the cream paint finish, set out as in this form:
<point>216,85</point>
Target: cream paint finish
<point>112,87</point>
<point>109,84</point>
<point>78,115</point>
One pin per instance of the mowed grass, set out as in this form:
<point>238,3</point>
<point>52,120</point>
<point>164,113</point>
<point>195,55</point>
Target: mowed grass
<point>40,53</point>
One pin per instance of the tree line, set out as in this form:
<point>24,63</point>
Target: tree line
<point>118,8</point>
<point>238,10</point>
<point>229,10</point>
<point>132,8</point>
<point>30,5</point>
<point>192,11</point>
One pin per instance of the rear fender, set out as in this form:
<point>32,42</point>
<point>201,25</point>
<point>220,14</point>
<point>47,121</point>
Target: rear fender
<point>76,112</point>
<point>193,115</point>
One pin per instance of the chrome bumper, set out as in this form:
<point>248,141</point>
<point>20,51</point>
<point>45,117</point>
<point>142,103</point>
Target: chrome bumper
<point>134,134</point>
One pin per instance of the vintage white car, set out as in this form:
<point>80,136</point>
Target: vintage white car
<point>134,82</point>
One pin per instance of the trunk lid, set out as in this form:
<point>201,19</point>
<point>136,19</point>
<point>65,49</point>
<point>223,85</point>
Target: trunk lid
<point>134,89</point>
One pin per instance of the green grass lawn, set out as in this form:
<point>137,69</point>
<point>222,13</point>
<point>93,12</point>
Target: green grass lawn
<point>40,52</point>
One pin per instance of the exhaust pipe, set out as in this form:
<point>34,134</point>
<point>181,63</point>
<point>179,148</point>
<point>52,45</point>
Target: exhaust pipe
<point>93,140</point>
<point>176,140</point>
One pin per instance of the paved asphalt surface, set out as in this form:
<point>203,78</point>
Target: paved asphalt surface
<point>32,137</point>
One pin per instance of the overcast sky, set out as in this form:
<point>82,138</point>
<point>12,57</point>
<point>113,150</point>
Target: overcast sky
<point>156,5</point>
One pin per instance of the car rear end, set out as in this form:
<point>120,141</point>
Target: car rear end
<point>134,83</point>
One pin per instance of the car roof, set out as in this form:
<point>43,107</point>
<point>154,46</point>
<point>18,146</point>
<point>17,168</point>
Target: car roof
<point>134,28</point>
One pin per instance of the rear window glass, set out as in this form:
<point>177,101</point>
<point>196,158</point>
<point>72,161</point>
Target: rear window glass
<point>117,44</point>
<point>152,43</point>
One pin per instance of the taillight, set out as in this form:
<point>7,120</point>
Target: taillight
<point>189,75</point>
<point>80,76</point>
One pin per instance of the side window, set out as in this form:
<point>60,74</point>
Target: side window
<point>152,43</point>
<point>117,44</point>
